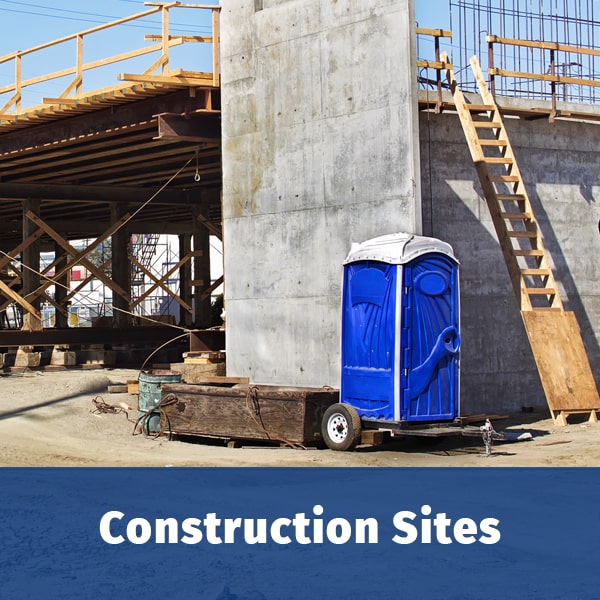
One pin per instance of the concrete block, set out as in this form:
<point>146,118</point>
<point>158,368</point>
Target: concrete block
<point>63,358</point>
<point>27,359</point>
<point>97,357</point>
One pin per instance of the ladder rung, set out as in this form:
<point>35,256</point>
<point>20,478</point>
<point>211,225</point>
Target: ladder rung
<point>505,178</point>
<point>528,252</point>
<point>498,160</point>
<point>493,142</point>
<point>522,234</point>
<point>536,272</point>
<point>511,197</point>
<point>488,124</point>
<point>516,216</point>
<point>481,107</point>
<point>547,308</point>
<point>541,291</point>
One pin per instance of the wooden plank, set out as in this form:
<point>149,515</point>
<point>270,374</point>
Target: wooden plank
<point>544,77</point>
<point>117,388</point>
<point>433,32</point>
<point>542,45</point>
<point>7,291</point>
<point>561,359</point>
<point>493,142</point>
<point>517,216</point>
<point>522,234</point>
<point>200,80</point>
<point>374,437</point>
<point>434,64</point>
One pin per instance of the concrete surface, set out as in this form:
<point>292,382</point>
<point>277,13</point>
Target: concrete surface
<point>319,151</point>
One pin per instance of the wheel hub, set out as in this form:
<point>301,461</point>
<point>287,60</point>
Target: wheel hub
<point>338,427</point>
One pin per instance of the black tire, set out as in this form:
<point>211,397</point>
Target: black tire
<point>341,427</point>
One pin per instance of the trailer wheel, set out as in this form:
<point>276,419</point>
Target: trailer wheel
<point>341,427</point>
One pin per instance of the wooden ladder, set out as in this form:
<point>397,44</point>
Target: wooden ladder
<point>553,333</point>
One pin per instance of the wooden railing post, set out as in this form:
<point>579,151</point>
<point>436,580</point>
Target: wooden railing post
<point>18,82</point>
<point>215,41</point>
<point>165,39</point>
<point>491,66</point>
<point>79,65</point>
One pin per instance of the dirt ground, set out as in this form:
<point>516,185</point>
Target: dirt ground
<point>47,419</point>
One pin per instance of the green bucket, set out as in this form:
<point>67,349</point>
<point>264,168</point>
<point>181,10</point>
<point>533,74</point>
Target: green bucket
<point>150,389</point>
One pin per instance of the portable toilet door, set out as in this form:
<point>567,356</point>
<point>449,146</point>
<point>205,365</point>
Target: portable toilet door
<point>400,330</point>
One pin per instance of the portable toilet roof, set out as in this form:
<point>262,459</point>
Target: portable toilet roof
<point>397,248</point>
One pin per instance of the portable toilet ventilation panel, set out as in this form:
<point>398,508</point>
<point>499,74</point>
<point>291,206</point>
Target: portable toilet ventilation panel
<point>400,329</point>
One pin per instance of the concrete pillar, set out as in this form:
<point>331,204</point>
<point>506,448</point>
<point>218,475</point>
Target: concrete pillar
<point>201,269</point>
<point>31,259</point>
<point>185,279</point>
<point>320,150</point>
<point>121,268</point>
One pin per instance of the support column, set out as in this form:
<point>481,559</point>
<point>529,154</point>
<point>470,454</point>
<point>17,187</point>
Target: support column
<point>185,279</point>
<point>201,268</point>
<point>31,259</point>
<point>60,290</point>
<point>121,268</point>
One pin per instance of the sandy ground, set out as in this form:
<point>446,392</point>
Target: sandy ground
<point>47,419</point>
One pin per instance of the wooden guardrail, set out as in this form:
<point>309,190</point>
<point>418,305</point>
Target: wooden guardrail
<point>74,89</point>
<point>438,64</point>
<point>548,57</point>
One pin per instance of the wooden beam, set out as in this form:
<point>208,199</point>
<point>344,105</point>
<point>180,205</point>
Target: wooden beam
<point>433,32</point>
<point>115,118</point>
<point>212,287</point>
<point>6,290</point>
<point>544,77</point>
<point>542,45</point>
<point>161,283</point>
<point>199,80</point>
<point>166,276</point>
<point>90,193</point>
<point>79,257</point>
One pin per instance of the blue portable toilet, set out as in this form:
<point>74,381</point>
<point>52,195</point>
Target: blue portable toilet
<point>400,330</point>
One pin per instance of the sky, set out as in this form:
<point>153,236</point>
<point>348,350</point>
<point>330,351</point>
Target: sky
<point>28,23</point>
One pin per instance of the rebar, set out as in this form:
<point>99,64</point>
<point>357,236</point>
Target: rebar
<point>567,22</point>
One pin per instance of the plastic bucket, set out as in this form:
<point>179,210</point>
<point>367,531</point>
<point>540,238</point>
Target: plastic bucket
<point>150,389</point>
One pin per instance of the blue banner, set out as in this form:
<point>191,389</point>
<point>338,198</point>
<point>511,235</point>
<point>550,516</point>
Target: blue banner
<point>299,533</point>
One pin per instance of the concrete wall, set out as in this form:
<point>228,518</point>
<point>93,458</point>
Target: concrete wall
<point>320,149</point>
<point>561,167</point>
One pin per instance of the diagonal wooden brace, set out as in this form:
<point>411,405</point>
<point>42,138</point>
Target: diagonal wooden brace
<point>160,282</point>
<point>79,257</point>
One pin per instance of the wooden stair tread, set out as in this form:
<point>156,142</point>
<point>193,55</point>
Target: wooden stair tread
<point>488,124</point>
<point>523,234</point>
<point>536,272</point>
<point>505,178</point>
<point>528,252</point>
<point>498,160</point>
<point>511,197</point>
<point>481,107</point>
<point>541,291</point>
<point>483,142</point>
<point>516,216</point>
